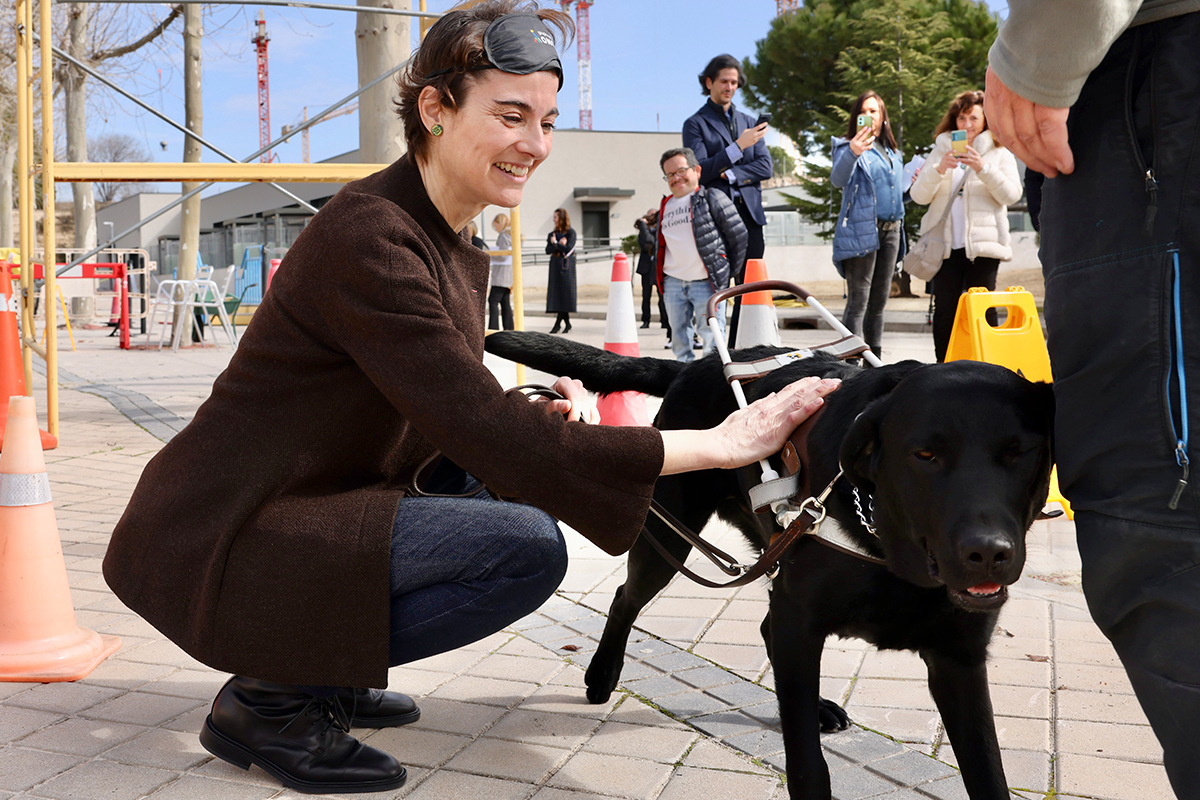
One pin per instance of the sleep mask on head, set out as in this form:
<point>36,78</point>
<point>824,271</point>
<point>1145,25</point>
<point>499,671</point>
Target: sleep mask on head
<point>519,44</point>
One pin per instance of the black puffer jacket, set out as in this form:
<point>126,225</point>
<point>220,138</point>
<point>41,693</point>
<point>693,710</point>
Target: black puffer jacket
<point>720,237</point>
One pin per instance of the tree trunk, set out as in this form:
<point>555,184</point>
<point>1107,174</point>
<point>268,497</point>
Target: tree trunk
<point>75,90</point>
<point>381,42</point>
<point>8,157</point>
<point>189,234</point>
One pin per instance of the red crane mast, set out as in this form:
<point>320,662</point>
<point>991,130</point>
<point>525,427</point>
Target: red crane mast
<point>584,38</point>
<point>260,39</point>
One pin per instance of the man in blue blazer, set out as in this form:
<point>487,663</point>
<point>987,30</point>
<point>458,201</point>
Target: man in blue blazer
<point>733,156</point>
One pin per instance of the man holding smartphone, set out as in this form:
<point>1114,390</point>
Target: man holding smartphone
<point>729,144</point>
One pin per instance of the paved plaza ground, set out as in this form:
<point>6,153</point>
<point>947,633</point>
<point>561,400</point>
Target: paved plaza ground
<point>695,716</point>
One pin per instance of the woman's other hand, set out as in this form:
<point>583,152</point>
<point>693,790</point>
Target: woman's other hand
<point>749,434</point>
<point>862,141</point>
<point>948,162</point>
<point>577,404</point>
<point>972,159</point>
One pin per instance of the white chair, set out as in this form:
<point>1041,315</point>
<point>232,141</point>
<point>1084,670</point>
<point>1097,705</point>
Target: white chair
<point>204,294</point>
<point>164,298</point>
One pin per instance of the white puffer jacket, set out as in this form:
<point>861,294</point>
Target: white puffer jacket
<point>986,195</point>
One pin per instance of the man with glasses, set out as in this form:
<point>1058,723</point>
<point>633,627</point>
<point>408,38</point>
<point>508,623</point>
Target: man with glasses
<point>701,243</point>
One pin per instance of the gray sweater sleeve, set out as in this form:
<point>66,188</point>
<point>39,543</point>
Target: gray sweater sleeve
<point>1047,48</point>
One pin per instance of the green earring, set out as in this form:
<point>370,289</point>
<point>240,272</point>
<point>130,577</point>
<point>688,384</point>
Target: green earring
<point>436,130</point>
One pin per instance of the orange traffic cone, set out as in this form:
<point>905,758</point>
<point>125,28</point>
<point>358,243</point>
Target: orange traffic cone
<point>758,323</point>
<point>12,371</point>
<point>39,639</point>
<point>620,336</point>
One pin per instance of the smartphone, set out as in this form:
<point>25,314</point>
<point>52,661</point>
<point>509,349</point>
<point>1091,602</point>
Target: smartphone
<point>763,117</point>
<point>865,121</point>
<point>958,142</point>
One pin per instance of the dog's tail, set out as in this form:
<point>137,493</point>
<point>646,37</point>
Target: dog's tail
<point>599,370</point>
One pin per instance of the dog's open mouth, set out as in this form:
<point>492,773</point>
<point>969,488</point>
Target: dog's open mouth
<point>981,597</point>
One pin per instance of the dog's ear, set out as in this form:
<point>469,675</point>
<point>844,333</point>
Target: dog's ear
<point>859,449</point>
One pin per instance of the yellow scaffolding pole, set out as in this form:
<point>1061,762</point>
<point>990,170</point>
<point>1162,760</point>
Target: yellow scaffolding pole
<point>52,172</point>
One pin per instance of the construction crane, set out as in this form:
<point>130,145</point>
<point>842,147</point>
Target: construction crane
<point>260,40</point>
<point>784,6</point>
<point>350,109</point>
<point>583,36</point>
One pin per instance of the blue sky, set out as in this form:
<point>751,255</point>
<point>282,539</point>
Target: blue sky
<point>645,58</point>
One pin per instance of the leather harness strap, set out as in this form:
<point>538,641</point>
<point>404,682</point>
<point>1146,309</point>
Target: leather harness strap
<point>846,347</point>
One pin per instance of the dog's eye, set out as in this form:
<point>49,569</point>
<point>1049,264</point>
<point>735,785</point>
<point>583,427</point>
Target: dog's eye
<point>925,455</point>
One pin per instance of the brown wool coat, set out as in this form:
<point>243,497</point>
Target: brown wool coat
<point>258,539</point>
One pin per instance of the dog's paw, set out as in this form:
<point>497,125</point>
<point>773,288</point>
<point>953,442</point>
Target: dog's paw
<point>831,716</point>
<point>597,695</point>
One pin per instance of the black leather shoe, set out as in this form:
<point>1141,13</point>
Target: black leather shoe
<point>646,324</point>
<point>567,328</point>
<point>372,708</point>
<point>302,740</point>
<point>557,327</point>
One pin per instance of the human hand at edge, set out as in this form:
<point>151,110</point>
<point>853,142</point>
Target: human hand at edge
<point>577,405</point>
<point>762,428</point>
<point>1034,133</point>
<point>862,141</point>
<point>972,159</point>
<point>948,162</point>
<point>751,136</point>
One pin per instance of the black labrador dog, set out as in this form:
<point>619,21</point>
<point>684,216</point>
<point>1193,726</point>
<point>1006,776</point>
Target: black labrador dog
<point>952,461</point>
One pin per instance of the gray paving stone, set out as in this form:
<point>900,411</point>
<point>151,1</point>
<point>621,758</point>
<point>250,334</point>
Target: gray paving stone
<point>742,693</point>
<point>530,622</point>
<point>656,686</point>
<point>725,723</point>
<point>104,780</point>
<point>21,768</point>
<point>635,670</point>
<point>861,746</point>
<point>678,661</point>
<point>582,644</point>
<point>690,704</point>
<point>587,624</point>
<point>82,737</point>
<point>855,783</point>
<point>550,633</point>
<point>707,676</point>
<point>947,789</point>
<point>140,708</point>
<point>18,722</point>
<point>561,612</point>
<point>194,787</point>
<point>64,697</point>
<point>160,748</point>
<point>757,743</point>
<point>648,648</point>
<point>912,768</point>
<point>766,713</point>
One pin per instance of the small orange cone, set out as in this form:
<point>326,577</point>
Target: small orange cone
<point>620,336</point>
<point>758,323</point>
<point>12,371</point>
<point>39,638</point>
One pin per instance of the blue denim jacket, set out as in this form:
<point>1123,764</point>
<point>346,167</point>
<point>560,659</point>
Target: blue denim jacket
<point>856,233</point>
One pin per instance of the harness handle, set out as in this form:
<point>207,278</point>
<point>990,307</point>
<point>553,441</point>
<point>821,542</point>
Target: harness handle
<point>754,286</point>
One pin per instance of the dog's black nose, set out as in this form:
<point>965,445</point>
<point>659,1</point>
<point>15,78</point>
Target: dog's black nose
<point>986,550</point>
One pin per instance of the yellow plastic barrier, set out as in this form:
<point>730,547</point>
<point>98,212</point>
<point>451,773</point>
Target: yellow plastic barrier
<point>1017,343</point>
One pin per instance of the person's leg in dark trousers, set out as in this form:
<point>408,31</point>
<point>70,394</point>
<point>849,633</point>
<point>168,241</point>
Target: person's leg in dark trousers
<point>881,288</point>
<point>755,248</point>
<point>493,302</point>
<point>506,311</point>
<point>948,284</point>
<point>647,296</point>
<point>1118,348</point>
<point>858,273</point>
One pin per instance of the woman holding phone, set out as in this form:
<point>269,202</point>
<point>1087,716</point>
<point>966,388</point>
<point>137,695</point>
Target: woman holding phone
<point>978,176</point>
<point>868,168</point>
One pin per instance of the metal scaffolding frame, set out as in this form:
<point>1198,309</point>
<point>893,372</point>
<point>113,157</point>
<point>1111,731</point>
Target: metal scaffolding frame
<point>52,171</point>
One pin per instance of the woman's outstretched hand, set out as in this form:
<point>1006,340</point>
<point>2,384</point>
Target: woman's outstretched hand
<point>749,434</point>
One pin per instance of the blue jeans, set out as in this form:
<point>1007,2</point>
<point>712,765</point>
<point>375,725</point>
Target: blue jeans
<point>687,302</point>
<point>464,568</point>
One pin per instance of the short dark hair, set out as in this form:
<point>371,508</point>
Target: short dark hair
<point>451,49</point>
<point>686,152</point>
<point>885,126</point>
<point>713,71</point>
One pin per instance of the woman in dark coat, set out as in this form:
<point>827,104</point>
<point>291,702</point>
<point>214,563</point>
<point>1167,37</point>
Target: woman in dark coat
<point>310,563</point>
<point>647,228</point>
<point>560,289</point>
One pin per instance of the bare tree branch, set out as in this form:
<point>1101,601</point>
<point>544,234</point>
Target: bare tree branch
<point>155,32</point>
